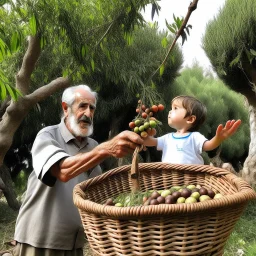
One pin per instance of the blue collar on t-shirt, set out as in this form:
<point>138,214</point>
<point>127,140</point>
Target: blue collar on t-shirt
<point>184,137</point>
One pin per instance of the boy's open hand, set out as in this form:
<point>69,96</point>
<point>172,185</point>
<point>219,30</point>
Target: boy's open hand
<point>222,133</point>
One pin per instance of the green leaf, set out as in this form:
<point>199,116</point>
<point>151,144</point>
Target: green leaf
<point>170,27</point>
<point>2,47</point>
<point>187,30</point>
<point>11,92</point>
<point>3,91</point>
<point>65,73</point>
<point>174,17</point>
<point>164,42</point>
<point>42,42</point>
<point>153,85</point>
<point>17,92</point>
<point>250,56</point>
<point>101,46</point>
<point>32,24</point>
<point>161,69</point>
<point>154,9</point>
<point>253,52</point>
<point>184,37</point>
<point>92,65</point>
<point>15,42</point>
<point>83,50</point>
<point>235,60</point>
<point>223,72</point>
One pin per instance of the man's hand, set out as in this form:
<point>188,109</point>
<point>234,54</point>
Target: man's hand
<point>223,133</point>
<point>122,144</point>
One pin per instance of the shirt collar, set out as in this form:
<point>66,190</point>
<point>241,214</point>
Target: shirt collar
<point>67,135</point>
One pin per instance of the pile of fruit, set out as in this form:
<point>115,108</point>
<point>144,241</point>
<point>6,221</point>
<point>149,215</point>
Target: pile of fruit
<point>145,122</point>
<point>174,195</point>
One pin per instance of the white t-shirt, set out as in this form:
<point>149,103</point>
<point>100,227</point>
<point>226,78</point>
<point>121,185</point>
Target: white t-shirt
<point>181,150</point>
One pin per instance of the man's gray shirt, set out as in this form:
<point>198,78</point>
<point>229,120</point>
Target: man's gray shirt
<point>48,217</point>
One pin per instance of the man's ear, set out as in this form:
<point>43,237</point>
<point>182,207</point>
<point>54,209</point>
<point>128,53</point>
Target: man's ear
<point>65,108</point>
<point>191,119</point>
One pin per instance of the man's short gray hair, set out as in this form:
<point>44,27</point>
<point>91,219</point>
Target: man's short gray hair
<point>68,95</point>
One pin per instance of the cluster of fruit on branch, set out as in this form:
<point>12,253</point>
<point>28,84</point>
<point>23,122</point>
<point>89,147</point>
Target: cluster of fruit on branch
<point>145,122</point>
<point>175,195</point>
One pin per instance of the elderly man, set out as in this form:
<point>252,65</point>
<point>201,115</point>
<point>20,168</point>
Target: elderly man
<point>63,156</point>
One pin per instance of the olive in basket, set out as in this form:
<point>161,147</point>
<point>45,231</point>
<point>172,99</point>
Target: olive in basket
<point>218,195</point>
<point>109,201</point>
<point>203,198</point>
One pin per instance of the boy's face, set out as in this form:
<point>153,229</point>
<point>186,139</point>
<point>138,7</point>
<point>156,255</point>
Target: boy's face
<point>176,116</point>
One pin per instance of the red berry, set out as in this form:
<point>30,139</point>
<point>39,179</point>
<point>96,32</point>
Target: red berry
<point>154,108</point>
<point>160,107</point>
<point>132,125</point>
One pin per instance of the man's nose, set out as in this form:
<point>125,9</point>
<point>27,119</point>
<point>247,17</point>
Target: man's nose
<point>87,111</point>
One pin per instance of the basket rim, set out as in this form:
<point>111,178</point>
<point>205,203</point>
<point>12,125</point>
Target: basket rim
<point>245,194</point>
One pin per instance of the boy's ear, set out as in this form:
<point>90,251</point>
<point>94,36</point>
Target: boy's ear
<point>191,119</point>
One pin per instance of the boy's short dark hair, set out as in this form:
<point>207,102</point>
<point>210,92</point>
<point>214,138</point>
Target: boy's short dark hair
<point>193,107</point>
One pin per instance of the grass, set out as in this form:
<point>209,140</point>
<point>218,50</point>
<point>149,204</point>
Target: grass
<point>242,241</point>
<point>7,224</point>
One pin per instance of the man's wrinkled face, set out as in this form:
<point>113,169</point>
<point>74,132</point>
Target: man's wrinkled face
<point>79,117</point>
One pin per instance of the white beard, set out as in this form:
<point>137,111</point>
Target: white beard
<point>76,129</point>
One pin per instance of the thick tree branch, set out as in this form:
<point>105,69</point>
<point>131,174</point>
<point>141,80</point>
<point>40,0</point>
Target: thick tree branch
<point>17,111</point>
<point>47,90</point>
<point>28,64</point>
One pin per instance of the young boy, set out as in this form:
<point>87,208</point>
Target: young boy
<point>186,144</point>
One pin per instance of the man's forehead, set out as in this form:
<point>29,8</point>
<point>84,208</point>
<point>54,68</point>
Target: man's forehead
<point>85,96</point>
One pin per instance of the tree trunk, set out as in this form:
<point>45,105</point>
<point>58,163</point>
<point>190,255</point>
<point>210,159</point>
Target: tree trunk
<point>216,160</point>
<point>249,170</point>
<point>7,188</point>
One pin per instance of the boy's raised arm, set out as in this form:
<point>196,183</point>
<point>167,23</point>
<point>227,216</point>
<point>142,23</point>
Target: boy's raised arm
<point>222,133</point>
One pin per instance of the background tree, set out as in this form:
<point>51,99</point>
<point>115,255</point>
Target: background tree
<point>230,44</point>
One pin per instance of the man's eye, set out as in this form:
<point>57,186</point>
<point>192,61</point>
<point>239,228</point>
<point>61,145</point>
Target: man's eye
<point>92,107</point>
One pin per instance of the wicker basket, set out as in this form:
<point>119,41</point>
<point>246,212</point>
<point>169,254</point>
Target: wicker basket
<point>175,229</point>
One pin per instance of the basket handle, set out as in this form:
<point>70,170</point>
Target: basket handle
<point>135,170</point>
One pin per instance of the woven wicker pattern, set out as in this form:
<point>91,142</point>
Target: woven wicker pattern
<point>176,229</point>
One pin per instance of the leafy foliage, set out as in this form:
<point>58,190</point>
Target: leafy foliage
<point>63,26</point>
<point>176,25</point>
<point>230,39</point>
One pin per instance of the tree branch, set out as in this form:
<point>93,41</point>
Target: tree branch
<point>191,8</point>
<point>17,111</point>
<point>28,64</point>
<point>47,90</point>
